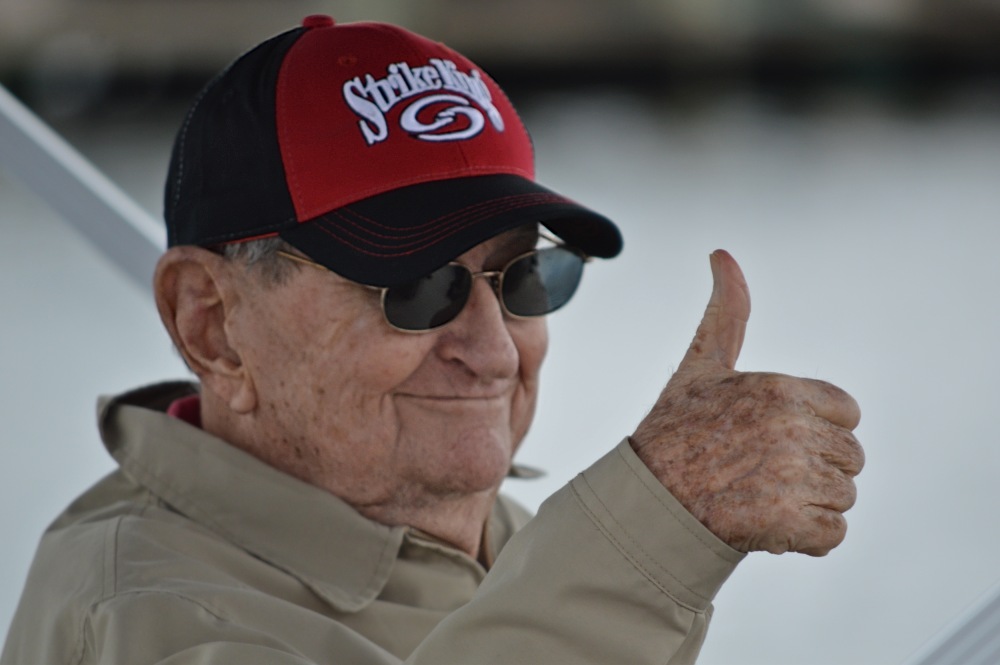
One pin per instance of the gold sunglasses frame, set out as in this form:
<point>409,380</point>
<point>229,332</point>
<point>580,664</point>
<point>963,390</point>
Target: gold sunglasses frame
<point>495,277</point>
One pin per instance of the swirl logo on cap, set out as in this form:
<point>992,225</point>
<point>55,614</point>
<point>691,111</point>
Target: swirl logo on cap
<point>436,117</point>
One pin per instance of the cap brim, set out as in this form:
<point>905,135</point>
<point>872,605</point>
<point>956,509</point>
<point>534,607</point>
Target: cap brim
<point>403,234</point>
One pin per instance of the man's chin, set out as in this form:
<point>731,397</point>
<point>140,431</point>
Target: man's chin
<point>473,463</point>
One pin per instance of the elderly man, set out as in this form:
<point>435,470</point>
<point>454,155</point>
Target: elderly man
<point>358,273</point>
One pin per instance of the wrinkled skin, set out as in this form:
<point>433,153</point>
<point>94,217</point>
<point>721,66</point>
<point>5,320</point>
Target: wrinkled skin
<point>765,461</point>
<point>409,429</point>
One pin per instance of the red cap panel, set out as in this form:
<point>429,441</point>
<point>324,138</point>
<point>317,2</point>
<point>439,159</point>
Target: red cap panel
<point>390,109</point>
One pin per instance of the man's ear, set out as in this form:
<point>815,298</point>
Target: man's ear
<point>195,298</point>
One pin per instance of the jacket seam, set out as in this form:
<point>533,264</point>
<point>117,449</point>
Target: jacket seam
<point>167,493</point>
<point>109,584</point>
<point>95,607</point>
<point>631,558</point>
<point>711,546</point>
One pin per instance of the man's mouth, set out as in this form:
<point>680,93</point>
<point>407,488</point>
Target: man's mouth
<point>455,398</point>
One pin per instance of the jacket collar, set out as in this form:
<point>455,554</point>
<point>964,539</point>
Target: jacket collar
<point>342,556</point>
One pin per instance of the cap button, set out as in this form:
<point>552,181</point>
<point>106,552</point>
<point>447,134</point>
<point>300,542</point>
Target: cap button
<point>318,21</point>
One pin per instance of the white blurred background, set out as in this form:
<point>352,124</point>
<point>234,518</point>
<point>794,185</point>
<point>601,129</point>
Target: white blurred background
<point>847,154</point>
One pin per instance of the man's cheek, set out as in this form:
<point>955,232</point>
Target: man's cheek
<point>533,344</point>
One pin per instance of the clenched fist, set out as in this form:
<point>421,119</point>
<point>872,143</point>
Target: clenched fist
<point>765,461</point>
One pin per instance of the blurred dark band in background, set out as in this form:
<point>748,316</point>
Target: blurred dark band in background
<point>71,57</point>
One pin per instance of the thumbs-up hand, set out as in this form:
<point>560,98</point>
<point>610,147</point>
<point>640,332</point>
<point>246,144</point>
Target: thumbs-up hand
<point>765,461</point>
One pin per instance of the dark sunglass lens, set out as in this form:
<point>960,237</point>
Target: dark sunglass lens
<point>430,301</point>
<point>541,282</point>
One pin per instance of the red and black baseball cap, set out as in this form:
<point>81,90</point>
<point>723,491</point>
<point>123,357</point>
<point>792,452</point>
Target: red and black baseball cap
<point>377,152</point>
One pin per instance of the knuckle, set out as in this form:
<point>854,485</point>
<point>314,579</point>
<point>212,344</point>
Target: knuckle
<point>789,435</point>
<point>829,388</point>
<point>778,546</point>
<point>837,530</point>
<point>839,401</point>
<point>857,457</point>
<point>846,453</point>
<point>855,410</point>
<point>844,495</point>
<point>795,428</point>
<point>833,489</point>
<point>773,386</point>
<point>829,531</point>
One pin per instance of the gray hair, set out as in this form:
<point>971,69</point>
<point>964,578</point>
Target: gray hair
<point>261,257</point>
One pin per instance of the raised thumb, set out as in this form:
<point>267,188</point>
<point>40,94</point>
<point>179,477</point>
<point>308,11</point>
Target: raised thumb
<point>720,333</point>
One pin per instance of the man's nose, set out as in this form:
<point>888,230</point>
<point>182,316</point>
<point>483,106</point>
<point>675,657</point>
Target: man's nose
<point>479,338</point>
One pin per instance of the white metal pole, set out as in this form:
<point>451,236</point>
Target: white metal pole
<point>116,225</point>
<point>972,639</point>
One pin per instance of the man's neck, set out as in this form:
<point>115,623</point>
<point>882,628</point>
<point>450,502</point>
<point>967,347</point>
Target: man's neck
<point>454,518</point>
<point>456,521</point>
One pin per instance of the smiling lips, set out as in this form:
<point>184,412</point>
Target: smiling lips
<point>471,396</point>
<point>454,398</point>
<point>462,406</point>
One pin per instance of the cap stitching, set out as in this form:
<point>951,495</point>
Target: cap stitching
<point>287,160</point>
<point>409,252</point>
<point>181,145</point>
<point>359,195</point>
<point>469,222</point>
<point>445,230</point>
<point>471,216</point>
<point>492,203</point>
<point>530,199</point>
<point>182,153</point>
<point>269,229</point>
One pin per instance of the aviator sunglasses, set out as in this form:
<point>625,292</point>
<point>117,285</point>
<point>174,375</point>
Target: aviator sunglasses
<point>532,284</point>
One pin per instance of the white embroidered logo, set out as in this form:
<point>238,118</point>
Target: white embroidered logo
<point>456,119</point>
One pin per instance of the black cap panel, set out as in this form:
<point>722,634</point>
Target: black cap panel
<point>226,180</point>
<point>406,233</point>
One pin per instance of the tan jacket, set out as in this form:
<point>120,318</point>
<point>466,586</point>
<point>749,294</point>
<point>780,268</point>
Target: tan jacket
<point>194,552</point>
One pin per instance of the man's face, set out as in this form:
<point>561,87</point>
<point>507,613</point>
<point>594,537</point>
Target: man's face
<point>378,416</point>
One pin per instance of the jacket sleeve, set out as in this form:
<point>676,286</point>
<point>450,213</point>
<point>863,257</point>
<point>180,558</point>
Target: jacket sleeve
<point>612,570</point>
